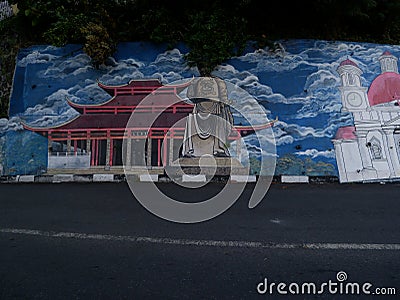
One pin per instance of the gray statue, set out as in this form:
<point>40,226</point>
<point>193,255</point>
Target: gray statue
<point>210,123</point>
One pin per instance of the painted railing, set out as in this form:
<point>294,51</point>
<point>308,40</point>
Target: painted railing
<point>186,108</point>
<point>68,153</point>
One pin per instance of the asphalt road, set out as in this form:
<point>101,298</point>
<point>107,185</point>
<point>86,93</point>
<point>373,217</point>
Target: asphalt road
<point>95,241</point>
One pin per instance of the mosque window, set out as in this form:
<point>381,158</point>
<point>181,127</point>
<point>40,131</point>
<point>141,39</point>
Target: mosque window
<point>387,65</point>
<point>352,80</point>
<point>376,149</point>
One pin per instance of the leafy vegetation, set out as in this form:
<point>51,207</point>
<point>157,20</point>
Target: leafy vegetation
<point>10,42</point>
<point>211,39</point>
<point>213,30</point>
<point>98,44</point>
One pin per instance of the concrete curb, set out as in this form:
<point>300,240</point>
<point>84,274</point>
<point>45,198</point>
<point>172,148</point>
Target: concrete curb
<point>104,178</point>
<point>243,178</point>
<point>59,178</point>
<point>148,177</point>
<point>294,179</point>
<point>193,178</point>
<point>25,178</point>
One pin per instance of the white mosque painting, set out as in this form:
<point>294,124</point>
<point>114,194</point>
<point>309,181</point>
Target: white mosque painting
<point>370,149</point>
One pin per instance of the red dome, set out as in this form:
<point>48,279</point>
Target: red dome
<point>348,62</point>
<point>384,88</point>
<point>386,53</point>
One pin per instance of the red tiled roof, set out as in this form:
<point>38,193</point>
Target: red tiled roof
<point>346,133</point>
<point>111,121</point>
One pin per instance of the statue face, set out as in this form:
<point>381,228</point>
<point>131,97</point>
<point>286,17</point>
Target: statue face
<point>207,106</point>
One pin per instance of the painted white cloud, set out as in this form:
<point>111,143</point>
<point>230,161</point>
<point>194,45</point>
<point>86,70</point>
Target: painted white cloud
<point>251,84</point>
<point>36,57</point>
<point>91,93</point>
<point>12,124</point>
<point>121,77</point>
<point>171,56</point>
<point>281,136</point>
<point>314,153</point>
<point>322,79</point>
<point>284,140</point>
<point>286,133</point>
<point>71,66</point>
<point>170,65</point>
<point>167,77</point>
<point>53,112</point>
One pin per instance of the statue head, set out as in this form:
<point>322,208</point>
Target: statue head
<point>208,89</point>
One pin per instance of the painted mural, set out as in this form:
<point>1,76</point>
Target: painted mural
<point>328,98</point>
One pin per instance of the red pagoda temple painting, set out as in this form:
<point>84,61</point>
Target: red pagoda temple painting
<point>93,140</point>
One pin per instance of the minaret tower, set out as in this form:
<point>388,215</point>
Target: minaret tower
<point>388,62</point>
<point>354,96</point>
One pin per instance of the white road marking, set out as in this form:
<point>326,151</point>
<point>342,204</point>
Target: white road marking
<point>206,243</point>
<point>275,221</point>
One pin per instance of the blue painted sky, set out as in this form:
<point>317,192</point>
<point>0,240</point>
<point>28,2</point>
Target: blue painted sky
<point>297,83</point>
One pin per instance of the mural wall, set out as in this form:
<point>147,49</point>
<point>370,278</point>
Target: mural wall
<point>336,102</point>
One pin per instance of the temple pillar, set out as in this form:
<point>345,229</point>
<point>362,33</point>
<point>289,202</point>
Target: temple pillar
<point>149,141</point>
<point>171,150</point>
<point>158,152</point>
<point>128,161</point>
<point>69,144</point>
<point>97,152</point>
<point>49,146</point>
<point>88,145</point>
<point>238,148</point>
<point>111,152</point>
<point>108,152</point>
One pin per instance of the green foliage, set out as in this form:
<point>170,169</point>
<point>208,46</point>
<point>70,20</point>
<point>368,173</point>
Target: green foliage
<point>387,13</point>
<point>162,26</point>
<point>66,28</point>
<point>98,44</point>
<point>213,37</point>
<point>37,13</point>
<point>11,39</point>
<point>69,21</point>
